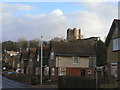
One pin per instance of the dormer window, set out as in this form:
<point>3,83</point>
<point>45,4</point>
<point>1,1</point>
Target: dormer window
<point>116,44</point>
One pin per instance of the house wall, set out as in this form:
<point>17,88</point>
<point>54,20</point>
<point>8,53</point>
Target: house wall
<point>77,72</point>
<point>31,66</point>
<point>52,63</point>
<point>119,71</point>
<point>119,75</point>
<point>112,56</point>
<point>69,62</point>
<point>71,68</point>
<point>55,76</point>
<point>72,72</point>
<point>22,67</point>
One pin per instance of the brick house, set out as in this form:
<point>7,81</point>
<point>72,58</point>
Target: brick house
<point>31,61</point>
<point>46,50</point>
<point>113,49</point>
<point>12,58</point>
<point>27,61</point>
<point>72,59</point>
<point>24,61</point>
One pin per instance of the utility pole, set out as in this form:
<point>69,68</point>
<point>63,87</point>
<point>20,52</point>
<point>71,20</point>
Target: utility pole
<point>96,77</point>
<point>96,63</point>
<point>41,60</point>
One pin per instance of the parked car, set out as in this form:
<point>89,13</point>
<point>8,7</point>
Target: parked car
<point>11,72</point>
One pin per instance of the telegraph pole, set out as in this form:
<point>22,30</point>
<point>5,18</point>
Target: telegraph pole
<point>96,77</point>
<point>96,63</point>
<point>41,60</point>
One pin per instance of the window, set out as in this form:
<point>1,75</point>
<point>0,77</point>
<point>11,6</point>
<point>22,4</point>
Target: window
<point>38,58</point>
<point>75,60</point>
<point>53,71</point>
<point>30,60</point>
<point>116,44</point>
<point>62,71</point>
<point>114,69</point>
<point>89,71</point>
<point>37,70</point>
<point>83,72</point>
<point>92,61</point>
<point>116,29</point>
<point>46,70</point>
<point>52,56</point>
<point>18,65</point>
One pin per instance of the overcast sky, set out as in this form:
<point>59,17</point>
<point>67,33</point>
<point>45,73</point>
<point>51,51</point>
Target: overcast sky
<point>52,19</point>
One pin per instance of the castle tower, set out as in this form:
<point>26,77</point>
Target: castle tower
<point>73,34</point>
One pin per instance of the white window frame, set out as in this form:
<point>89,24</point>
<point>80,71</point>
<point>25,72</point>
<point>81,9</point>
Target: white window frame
<point>38,58</point>
<point>74,60</point>
<point>52,55</point>
<point>61,72</point>
<point>116,44</point>
<point>92,61</point>
<point>18,65</point>
<point>53,71</point>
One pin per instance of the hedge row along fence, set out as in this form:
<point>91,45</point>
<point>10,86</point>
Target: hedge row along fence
<point>76,82</point>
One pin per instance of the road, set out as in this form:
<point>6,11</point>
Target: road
<point>8,84</point>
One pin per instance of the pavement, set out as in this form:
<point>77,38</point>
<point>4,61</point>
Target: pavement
<point>8,84</point>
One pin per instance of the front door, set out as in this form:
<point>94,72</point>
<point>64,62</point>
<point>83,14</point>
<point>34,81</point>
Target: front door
<point>83,72</point>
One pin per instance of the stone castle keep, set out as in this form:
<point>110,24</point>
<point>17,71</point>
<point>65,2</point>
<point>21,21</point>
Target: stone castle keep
<point>73,34</point>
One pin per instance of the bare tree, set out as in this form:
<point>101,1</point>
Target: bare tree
<point>23,43</point>
<point>58,39</point>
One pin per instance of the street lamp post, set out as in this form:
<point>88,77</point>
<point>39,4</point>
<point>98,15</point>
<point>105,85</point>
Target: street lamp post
<point>41,61</point>
<point>96,63</point>
<point>96,77</point>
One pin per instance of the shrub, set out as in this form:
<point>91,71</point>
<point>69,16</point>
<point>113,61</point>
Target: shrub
<point>76,82</point>
<point>34,80</point>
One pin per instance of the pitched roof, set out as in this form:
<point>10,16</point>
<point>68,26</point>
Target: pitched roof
<point>46,51</point>
<point>24,54</point>
<point>32,52</point>
<point>116,23</point>
<point>73,48</point>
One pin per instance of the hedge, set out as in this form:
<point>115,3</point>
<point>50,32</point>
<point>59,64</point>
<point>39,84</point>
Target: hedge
<point>76,82</point>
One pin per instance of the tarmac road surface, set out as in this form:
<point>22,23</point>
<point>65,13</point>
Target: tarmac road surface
<point>8,84</point>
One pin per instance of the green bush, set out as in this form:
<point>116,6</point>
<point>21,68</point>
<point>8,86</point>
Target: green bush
<point>76,82</point>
